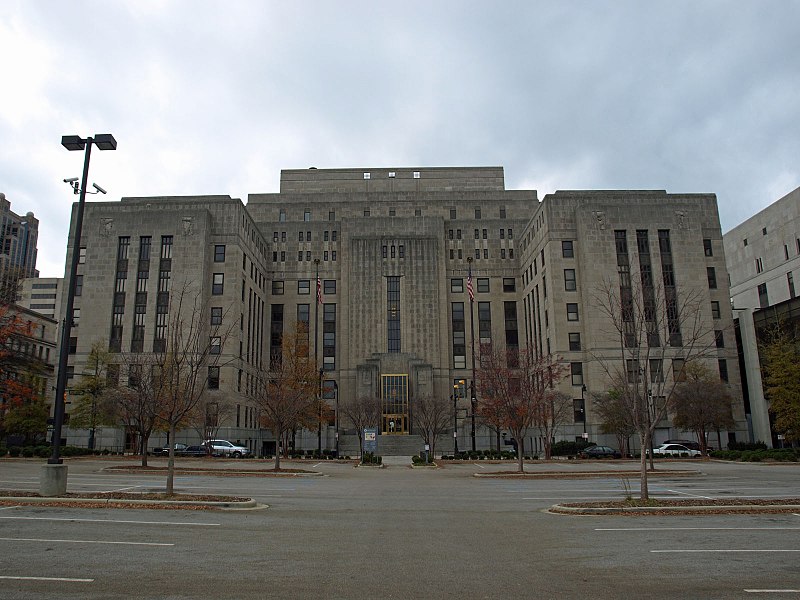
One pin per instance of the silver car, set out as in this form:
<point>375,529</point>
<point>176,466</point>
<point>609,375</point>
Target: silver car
<point>675,450</point>
<point>226,448</point>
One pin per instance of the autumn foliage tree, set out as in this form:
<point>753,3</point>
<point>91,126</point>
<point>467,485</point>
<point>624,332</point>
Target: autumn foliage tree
<point>615,419</point>
<point>287,394</point>
<point>93,405</point>
<point>702,403</point>
<point>780,359</point>
<point>522,396</point>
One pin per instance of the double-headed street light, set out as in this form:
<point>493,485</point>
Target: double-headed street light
<point>103,141</point>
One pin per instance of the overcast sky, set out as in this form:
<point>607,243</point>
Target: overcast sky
<point>217,97</point>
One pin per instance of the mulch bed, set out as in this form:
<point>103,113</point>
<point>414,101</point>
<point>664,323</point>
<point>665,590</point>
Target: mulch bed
<point>106,500</point>
<point>206,471</point>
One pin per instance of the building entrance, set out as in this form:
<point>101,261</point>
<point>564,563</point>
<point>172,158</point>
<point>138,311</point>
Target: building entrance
<point>394,404</point>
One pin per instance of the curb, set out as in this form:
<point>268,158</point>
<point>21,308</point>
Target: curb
<point>589,474</point>
<point>39,500</point>
<point>216,472</point>
<point>744,508</point>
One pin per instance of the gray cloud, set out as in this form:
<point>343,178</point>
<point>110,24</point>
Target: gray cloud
<point>213,97</point>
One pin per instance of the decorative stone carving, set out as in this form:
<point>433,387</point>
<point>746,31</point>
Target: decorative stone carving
<point>106,227</point>
<point>188,226</point>
<point>600,218</point>
<point>682,224</point>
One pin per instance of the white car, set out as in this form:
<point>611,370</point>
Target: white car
<point>226,448</point>
<point>675,450</point>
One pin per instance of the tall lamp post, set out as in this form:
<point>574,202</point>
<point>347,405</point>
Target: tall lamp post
<point>103,141</point>
<point>455,419</point>
<point>471,292</point>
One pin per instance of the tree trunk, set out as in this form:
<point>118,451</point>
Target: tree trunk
<point>145,441</point>
<point>644,444</point>
<point>171,463</point>
<point>520,444</point>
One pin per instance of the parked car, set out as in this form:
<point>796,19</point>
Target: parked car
<point>193,451</point>
<point>599,452</point>
<point>165,450</point>
<point>226,448</point>
<point>688,443</point>
<point>674,450</point>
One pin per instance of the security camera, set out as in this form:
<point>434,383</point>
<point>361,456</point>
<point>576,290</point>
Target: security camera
<point>99,189</point>
<point>71,180</point>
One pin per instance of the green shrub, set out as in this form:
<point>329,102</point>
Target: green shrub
<point>3,451</point>
<point>27,452</point>
<point>568,448</point>
<point>747,446</point>
<point>14,451</point>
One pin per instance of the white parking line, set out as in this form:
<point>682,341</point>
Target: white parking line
<point>696,528</point>
<point>64,579</point>
<point>8,539</point>
<point>111,521</point>
<point>773,591</point>
<point>7,507</point>
<point>688,494</point>
<point>718,551</point>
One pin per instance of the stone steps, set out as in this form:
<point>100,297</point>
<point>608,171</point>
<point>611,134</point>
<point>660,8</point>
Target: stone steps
<point>394,445</point>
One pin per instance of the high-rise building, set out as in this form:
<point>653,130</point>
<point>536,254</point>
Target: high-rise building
<point>43,295</point>
<point>401,276</point>
<point>18,236</point>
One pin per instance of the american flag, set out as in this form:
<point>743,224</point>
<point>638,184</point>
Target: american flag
<point>470,291</point>
<point>319,291</point>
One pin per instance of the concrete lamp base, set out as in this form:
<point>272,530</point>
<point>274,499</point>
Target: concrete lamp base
<point>53,480</point>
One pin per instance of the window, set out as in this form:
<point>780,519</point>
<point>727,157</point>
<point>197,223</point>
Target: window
<point>283,236</point>
<point>334,234</point>
<point>707,248</point>
<point>509,284</point>
<point>331,216</point>
<point>483,285</point>
<point>218,284</point>
<point>576,370</point>
<point>216,315</point>
<point>82,255</point>
<point>759,265</point>
<point>763,297</point>
<point>510,233</point>
<point>457,286</point>
<point>486,234</point>
<point>763,231</point>
<point>477,213</point>
<point>417,212</point>
<point>401,249</point>
<point>572,311</point>
<point>215,344</point>
<point>579,410</point>
<point>307,215</point>
<point>213,378</point>
<point>219,253</point>
<point>745,241</point>
<point>567,250</point>
<point>277,288</point>
<point>790,283</point>
<point>329,286</point>
<point>656,370</point>
<point>570,284</point>
<point>633,374</point>
<point>73,345</point>
<point>502,234</point>
<point>678,372</point>
<point>300,256</point>
<point>502,252</point>
<point>452,213</point>
<point>574,341</point>
<point>477,234</point>
<point>282,215</point>
<point>719,338</point>
<point>304,286</point>
<point>477,253</point>
<point>78,286</point>
<point>485,253</point>
<point>301,236</point>
<point>723,369</point>
<point>715,309</point>
<point>392,212</point>
<point>449,234</point>
<point>712,278</point>
<point>458,234</point>
<point>367,175</point>
<point>416,175</point>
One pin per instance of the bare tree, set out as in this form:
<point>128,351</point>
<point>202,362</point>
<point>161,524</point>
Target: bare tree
<point>517,395</point>
<point>93,407</point>
<point>432,418</point>
<point>552,409</point>
<point>136,403</point>
<point>702,403</point>
<point>208,416</point>
<point>287,393</point>
<point>362,412</point>
<point>653,333</point>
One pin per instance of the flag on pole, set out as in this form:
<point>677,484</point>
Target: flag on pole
<point>319,291</point>
<point>470,291</point>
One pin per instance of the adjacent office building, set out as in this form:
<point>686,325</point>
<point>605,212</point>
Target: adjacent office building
<point>763,255</point>
<point>401,275</point>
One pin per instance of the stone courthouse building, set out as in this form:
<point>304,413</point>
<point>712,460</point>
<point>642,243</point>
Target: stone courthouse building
<point>393,250</point>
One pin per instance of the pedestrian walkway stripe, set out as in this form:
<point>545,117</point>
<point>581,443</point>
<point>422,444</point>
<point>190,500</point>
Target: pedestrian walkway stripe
<point>9,539</point>
<point>725,550</point>
<point>64,579</point>
<point>110,521</point>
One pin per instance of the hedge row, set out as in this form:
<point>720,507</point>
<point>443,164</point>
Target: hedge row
<point>783,454</point>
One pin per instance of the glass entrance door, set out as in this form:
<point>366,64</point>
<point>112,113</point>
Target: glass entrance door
<point>394,404</point>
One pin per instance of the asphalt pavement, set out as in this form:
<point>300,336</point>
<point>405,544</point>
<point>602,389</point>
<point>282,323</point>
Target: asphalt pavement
<point>399,532</point>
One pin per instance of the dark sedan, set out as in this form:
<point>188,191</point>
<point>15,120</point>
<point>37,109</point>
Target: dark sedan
<point>599,452</point>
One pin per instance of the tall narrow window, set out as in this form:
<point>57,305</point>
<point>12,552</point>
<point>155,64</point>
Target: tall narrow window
<point>459,336</point>
<point>484,323</point>
<point>712,278</point>
<point>329,337</point>
<point>393,313</point>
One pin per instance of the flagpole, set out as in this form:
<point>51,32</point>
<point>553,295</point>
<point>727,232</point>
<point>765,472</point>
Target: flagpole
<point>471,291</point>
<point>316,358</point>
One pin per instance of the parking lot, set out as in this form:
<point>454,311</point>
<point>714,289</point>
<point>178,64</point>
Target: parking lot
<point>402,533</point>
